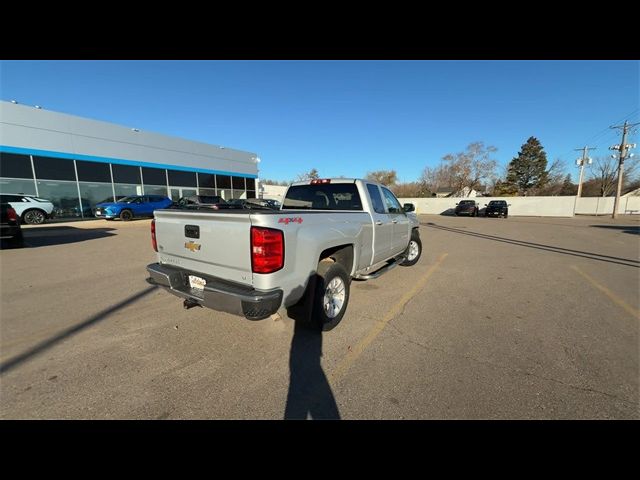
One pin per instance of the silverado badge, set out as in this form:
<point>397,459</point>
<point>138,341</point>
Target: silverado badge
<point>193,246</point>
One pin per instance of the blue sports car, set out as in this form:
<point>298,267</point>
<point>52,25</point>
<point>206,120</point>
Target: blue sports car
<point>134,206</point>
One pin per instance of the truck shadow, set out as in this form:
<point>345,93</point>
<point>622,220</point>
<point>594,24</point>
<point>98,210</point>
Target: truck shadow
<point>309,391</point>
<point>632,229</point>
<point>57,235</point>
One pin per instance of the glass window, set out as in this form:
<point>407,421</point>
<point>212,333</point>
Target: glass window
<point>13,165</point>
<point>93,171</point>
<point>129,174</point>
<point>238,193</point>
<point>9,185</point>
<point>182,179</point>
<point>93,193</point>
<point>393,205</point>
<point>153,176</point>
<point>156,190</point>
<point>251,194</point>
<point>54,168</point>
<point>224,181</point>
<point>63,195</point>
<point>251,184</point>
<point>225,193</point>
<point>206,180</point>
<point>238,183</point>
<point>323,196</point>
<point>125,189</point>
<point>208,191</point>
<point>376,199</point>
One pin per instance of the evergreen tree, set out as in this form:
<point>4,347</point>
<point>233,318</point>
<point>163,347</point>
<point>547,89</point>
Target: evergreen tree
<point>529,169</point>
<point>568,187</point>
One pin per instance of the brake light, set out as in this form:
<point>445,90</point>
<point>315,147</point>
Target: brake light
<point>320,180</point>
<point>11,214</point>
<point>267,250</point>
<point>154,242</point>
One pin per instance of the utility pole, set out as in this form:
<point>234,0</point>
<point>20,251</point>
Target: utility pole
<point>581,162</point>
<point>622,148</point>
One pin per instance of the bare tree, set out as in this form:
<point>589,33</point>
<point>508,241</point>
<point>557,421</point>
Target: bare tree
<point>604,171</point>
<point>434,178</point>
<point>385,177</point>
<point>411,190</point>
<point>555,182</point>
<point>469,168</point>
<point>310,175</point>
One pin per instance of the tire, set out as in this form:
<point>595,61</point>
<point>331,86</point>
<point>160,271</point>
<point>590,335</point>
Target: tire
<point>506,215</point>
<point>34,216</point>
<point>413,257</point>
<point>126,215</point>
<point>331,295</point>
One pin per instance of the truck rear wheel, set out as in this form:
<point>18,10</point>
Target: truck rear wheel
<point>331,295</point>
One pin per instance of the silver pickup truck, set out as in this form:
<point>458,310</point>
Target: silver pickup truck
<point>302,256</point>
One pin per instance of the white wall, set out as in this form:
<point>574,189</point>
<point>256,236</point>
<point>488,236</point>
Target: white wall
<point>533,206</point>
<point>604,205</point>
<point>273,192</point>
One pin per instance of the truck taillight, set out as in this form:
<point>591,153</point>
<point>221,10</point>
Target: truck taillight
<point>11,214</point>
<point>320,180</point>
<point>154,242</point>
<point>267,250</point>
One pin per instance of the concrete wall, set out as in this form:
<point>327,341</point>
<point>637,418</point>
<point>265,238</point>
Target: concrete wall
<point>533,206</point>
<point>25,129</point>
<point>604,205</point>
<point>273,192</point>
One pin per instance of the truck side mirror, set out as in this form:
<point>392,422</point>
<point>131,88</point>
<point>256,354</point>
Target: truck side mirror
<point>408,207</point>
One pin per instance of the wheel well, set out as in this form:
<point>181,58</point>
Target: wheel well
<point>342,254</point>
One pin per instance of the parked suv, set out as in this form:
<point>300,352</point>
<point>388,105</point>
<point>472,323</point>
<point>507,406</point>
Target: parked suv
<point>467,207</point>
<point>134,206</point>
<point>31,209</point>
<point>497,208</point>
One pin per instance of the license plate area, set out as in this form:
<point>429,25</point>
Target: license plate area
<point>197,283</point>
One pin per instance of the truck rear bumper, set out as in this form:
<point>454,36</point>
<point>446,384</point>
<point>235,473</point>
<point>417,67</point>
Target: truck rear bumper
<point>217,294</point>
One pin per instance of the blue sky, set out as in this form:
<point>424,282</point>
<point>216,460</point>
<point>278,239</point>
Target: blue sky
<point>346,117</point>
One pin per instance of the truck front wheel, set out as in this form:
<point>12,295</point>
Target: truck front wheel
<point>331,295</point>
<point>414,250</point>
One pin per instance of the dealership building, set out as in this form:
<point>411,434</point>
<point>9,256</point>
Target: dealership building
<point>77,162</point>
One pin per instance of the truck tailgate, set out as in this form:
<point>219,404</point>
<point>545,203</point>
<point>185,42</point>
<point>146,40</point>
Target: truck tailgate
<point>216,242</point>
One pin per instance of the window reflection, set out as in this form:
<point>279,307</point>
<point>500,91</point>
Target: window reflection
<point>63,195</point>
<point>93,193</point>
<point>11,185</point>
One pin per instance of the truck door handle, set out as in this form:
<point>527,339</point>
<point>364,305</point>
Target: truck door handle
<point>378,222</point>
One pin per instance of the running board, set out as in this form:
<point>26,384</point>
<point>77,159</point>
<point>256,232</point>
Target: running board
<point>389,266</point>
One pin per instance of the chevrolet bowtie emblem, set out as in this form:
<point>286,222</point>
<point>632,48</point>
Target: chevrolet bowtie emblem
<point>193,246</point>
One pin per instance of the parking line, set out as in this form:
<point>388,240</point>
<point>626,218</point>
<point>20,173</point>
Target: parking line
<point>356,351</point>
<point>612,296</point>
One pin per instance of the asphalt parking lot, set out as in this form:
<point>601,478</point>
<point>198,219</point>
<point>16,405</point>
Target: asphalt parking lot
<point>518,318</point>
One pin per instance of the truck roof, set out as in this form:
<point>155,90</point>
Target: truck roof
<point>333,180</point>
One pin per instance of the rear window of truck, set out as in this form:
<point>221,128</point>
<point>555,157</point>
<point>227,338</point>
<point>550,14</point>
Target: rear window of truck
<point>323,196</point>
